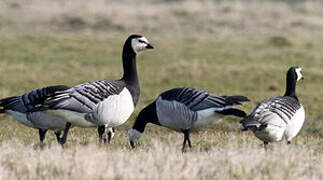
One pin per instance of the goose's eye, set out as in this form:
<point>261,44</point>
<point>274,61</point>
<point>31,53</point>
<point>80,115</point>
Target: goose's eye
<point>141,41</point>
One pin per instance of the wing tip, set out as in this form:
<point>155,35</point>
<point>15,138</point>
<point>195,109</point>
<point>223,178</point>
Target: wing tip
<point>233,111</point>
<point>236,99</point>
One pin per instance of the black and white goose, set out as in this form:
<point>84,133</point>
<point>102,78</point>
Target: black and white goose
<point>18,107</point>
<point>186,110</point>
<point>101,103</point>
<point>278,117</point>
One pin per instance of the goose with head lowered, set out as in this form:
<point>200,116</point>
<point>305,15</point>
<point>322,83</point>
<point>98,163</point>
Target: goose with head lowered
<point>186,110</point>
<point>280,116</point>
<point>20,105</point>
<point>101,103</point>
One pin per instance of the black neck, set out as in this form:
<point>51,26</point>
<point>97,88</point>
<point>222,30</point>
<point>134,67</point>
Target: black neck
<point>290,85</point>
<point>130,75</point>
<point>147,115</point>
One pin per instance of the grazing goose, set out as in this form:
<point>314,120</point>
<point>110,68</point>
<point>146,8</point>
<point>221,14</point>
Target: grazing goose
<point>278,117</point>
<point>18,107</point>
<point>101,103</point>
<point>185,110</point>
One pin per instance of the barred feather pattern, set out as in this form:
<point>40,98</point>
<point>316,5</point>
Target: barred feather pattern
<point>198,100</point>
<point>283,106</point>
<point>84,98</point>
<point>28,101</point>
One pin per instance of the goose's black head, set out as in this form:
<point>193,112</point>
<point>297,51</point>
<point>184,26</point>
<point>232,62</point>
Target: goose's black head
<point>294,73</point>
<point>146,115</point>
<point>138,43</point>
<point>134,136</point>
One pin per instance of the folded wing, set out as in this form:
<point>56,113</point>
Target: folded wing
<point>277,111</point>
<point>28,101</point>
<point>83,98</point>
<point>198,100</point>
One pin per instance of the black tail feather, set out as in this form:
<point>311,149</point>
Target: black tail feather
<point>30,101</point>
<point>233,111</point>
<point>254,128</point>
<point>247,125</point>
<point>236,99</point>
<point>9,103</point>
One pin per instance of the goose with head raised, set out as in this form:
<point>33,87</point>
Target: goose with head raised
<point>101,103</point>
<point>280,116</point>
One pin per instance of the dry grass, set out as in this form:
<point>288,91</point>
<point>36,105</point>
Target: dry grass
<point>223,18</point>
<point>242,160</point>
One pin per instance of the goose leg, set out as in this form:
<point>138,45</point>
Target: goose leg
<point>189,140</point>
<point>42,133</point>
<point>63,139</point>
<point>184,143</point>
<point>109,135</point>
<point>265,145</point>
<point>58,135</point>
<point>186,138</point>
<point>101,130</point>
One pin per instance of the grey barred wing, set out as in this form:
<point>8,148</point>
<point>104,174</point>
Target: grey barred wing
<point>85,97</point>
<point>284,107</point>
<point>28,101</point>
<point>195,99</point>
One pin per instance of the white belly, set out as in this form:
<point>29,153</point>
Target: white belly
<point>271,133</point>
<point>275,129</point>
<point>295,124</point>
<point>75,118</point>
<point>115,110</point>
<point>21,118</point>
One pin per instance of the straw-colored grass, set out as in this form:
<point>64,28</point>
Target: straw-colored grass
<point>239,159</point>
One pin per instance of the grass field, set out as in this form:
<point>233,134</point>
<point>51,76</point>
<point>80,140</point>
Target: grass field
<point>225,47</point>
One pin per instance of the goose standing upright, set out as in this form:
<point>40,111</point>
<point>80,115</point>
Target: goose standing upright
<point>186,110</point>
<point>278,117</point>
<point>18,107</point>
<point>101,103</point>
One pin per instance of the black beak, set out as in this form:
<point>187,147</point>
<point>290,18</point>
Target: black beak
<point>132,144</point>
<point>302,78</point>
<point>149,46</point>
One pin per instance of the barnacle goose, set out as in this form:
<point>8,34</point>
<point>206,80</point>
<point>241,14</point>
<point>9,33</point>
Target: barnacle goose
<point>18,107</point>
<point>186,110</point>
<point>101,103</point>
<point>278,117</point>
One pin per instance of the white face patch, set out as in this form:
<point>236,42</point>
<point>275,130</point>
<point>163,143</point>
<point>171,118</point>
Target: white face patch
<point>139,44</point>
<point>299,74</point>
<point>134,135</point>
